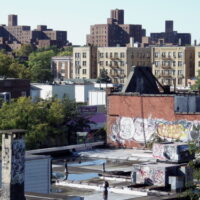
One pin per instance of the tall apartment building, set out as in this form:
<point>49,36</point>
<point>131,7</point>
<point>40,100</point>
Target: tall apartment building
<point>173,65</point>
<point>118,61</point>
<point>61,67</point>
<point>115,32</point>
<point>14,35</point>
<point>171,36</point>
<point>197,61</point>
<point>85,62</point>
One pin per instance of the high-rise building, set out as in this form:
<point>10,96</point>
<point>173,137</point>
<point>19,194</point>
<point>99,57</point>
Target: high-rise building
<point>118,16</point>
<point>12,20</point>
<point>115,32</point>
<point>14,35</point>
<point>169,26</point>
<point>170,36</point>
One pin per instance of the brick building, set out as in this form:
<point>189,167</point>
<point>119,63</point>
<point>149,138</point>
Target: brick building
<point>145,110</point>
<point>115,32</point>
<point>84,62</point>
<point>171,36</point>
<point>14,35</point>
<point>134,119</point>
<point>16,87</point>
<point>61,67</point>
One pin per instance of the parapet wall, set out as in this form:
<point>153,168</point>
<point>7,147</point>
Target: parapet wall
<point>136,119</point>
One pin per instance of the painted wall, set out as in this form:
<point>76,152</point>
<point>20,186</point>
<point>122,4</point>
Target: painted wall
<point>134,119</point>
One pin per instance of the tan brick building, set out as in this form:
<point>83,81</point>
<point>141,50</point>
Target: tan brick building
<point>117,61</point>
<point>173,65</point>
<point>84,62</point>
<point>197,60</point>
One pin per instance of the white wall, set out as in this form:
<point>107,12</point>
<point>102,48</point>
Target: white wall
<point>80,93</point>
<point>97,97</point>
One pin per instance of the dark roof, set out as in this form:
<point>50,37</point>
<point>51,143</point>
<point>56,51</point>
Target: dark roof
<point>142,81</point>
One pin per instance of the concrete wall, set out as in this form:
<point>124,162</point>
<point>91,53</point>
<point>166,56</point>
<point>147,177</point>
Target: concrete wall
<point>134,119</point>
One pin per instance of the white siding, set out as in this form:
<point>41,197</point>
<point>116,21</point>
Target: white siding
<point>97,98</point>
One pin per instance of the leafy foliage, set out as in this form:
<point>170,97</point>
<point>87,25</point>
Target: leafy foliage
<point>47,122</point>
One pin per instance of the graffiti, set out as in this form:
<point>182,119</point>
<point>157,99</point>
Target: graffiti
<point>18,161</point>
<point>139,129</point>
<point>150,175</point>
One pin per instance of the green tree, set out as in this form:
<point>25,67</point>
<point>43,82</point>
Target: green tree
<point>5,62</point>
<point>68,51</point>
<point>40,66</point>
<point>25,50</point>
<point>17,70</point>
<point>103,78</point>
<point>48,123</point>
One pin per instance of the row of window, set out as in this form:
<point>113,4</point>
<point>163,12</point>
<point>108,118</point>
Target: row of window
<point>168,63</point>
<point>112,63</point>
<point>171,81</point>
<point>78,55</point>
<point>112,55</point>
<point>168,72</point>
<point>78,70</point>
<point>168,54</point>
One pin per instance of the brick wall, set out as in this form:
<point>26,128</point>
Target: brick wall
<point>132,120</point>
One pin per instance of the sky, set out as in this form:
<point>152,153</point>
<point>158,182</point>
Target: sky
<point>76,16</point>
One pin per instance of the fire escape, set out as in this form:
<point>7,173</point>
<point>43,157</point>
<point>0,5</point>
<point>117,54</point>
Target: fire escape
<point>117,71</point>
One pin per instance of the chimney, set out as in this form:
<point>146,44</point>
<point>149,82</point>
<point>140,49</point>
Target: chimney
<point>13,165</point>
<point>195,42</point>
<point>179,42</point>
<point>131,41</point>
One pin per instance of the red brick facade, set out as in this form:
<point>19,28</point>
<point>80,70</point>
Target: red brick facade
<point>148,113</point>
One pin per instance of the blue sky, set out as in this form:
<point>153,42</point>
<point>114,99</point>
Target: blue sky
<point>76,16</point>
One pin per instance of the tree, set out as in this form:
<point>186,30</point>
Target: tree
<point>68,51</point>
<point>47,122</point>
<point>17,70</point>
<point>103,78</point>
<point>40,66</point>
<point>5,62</point>
<point>25,50</point>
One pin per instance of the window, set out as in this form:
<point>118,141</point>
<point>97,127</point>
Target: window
<point>157,63</point>
<point>174,54</point>
<point>77,55</point>
<point>77,63</point>
<point>180,72</point>
<point>164,54</point>
<point>84,63</point>
<point>84,55</point>
<point>122,63</point>
<point>106,63</point>
<point>174,63</point>
<point>63,66</point>
<point>122,55</point>
<point>101,55</point>
<point>101,63</point>
<point>110,55</point>
<point>116,55</point>
<point>199,54</point>
<point>106,54</point>
<point>180,63</point>
<point>84,71</point>
<point>180,54</point>
<point>169,54</point>
<point>199,64</point>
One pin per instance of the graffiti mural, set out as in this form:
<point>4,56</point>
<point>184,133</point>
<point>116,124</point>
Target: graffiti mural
<point>139,129</point>
<point>18,161</point>
<point>150,175</point>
